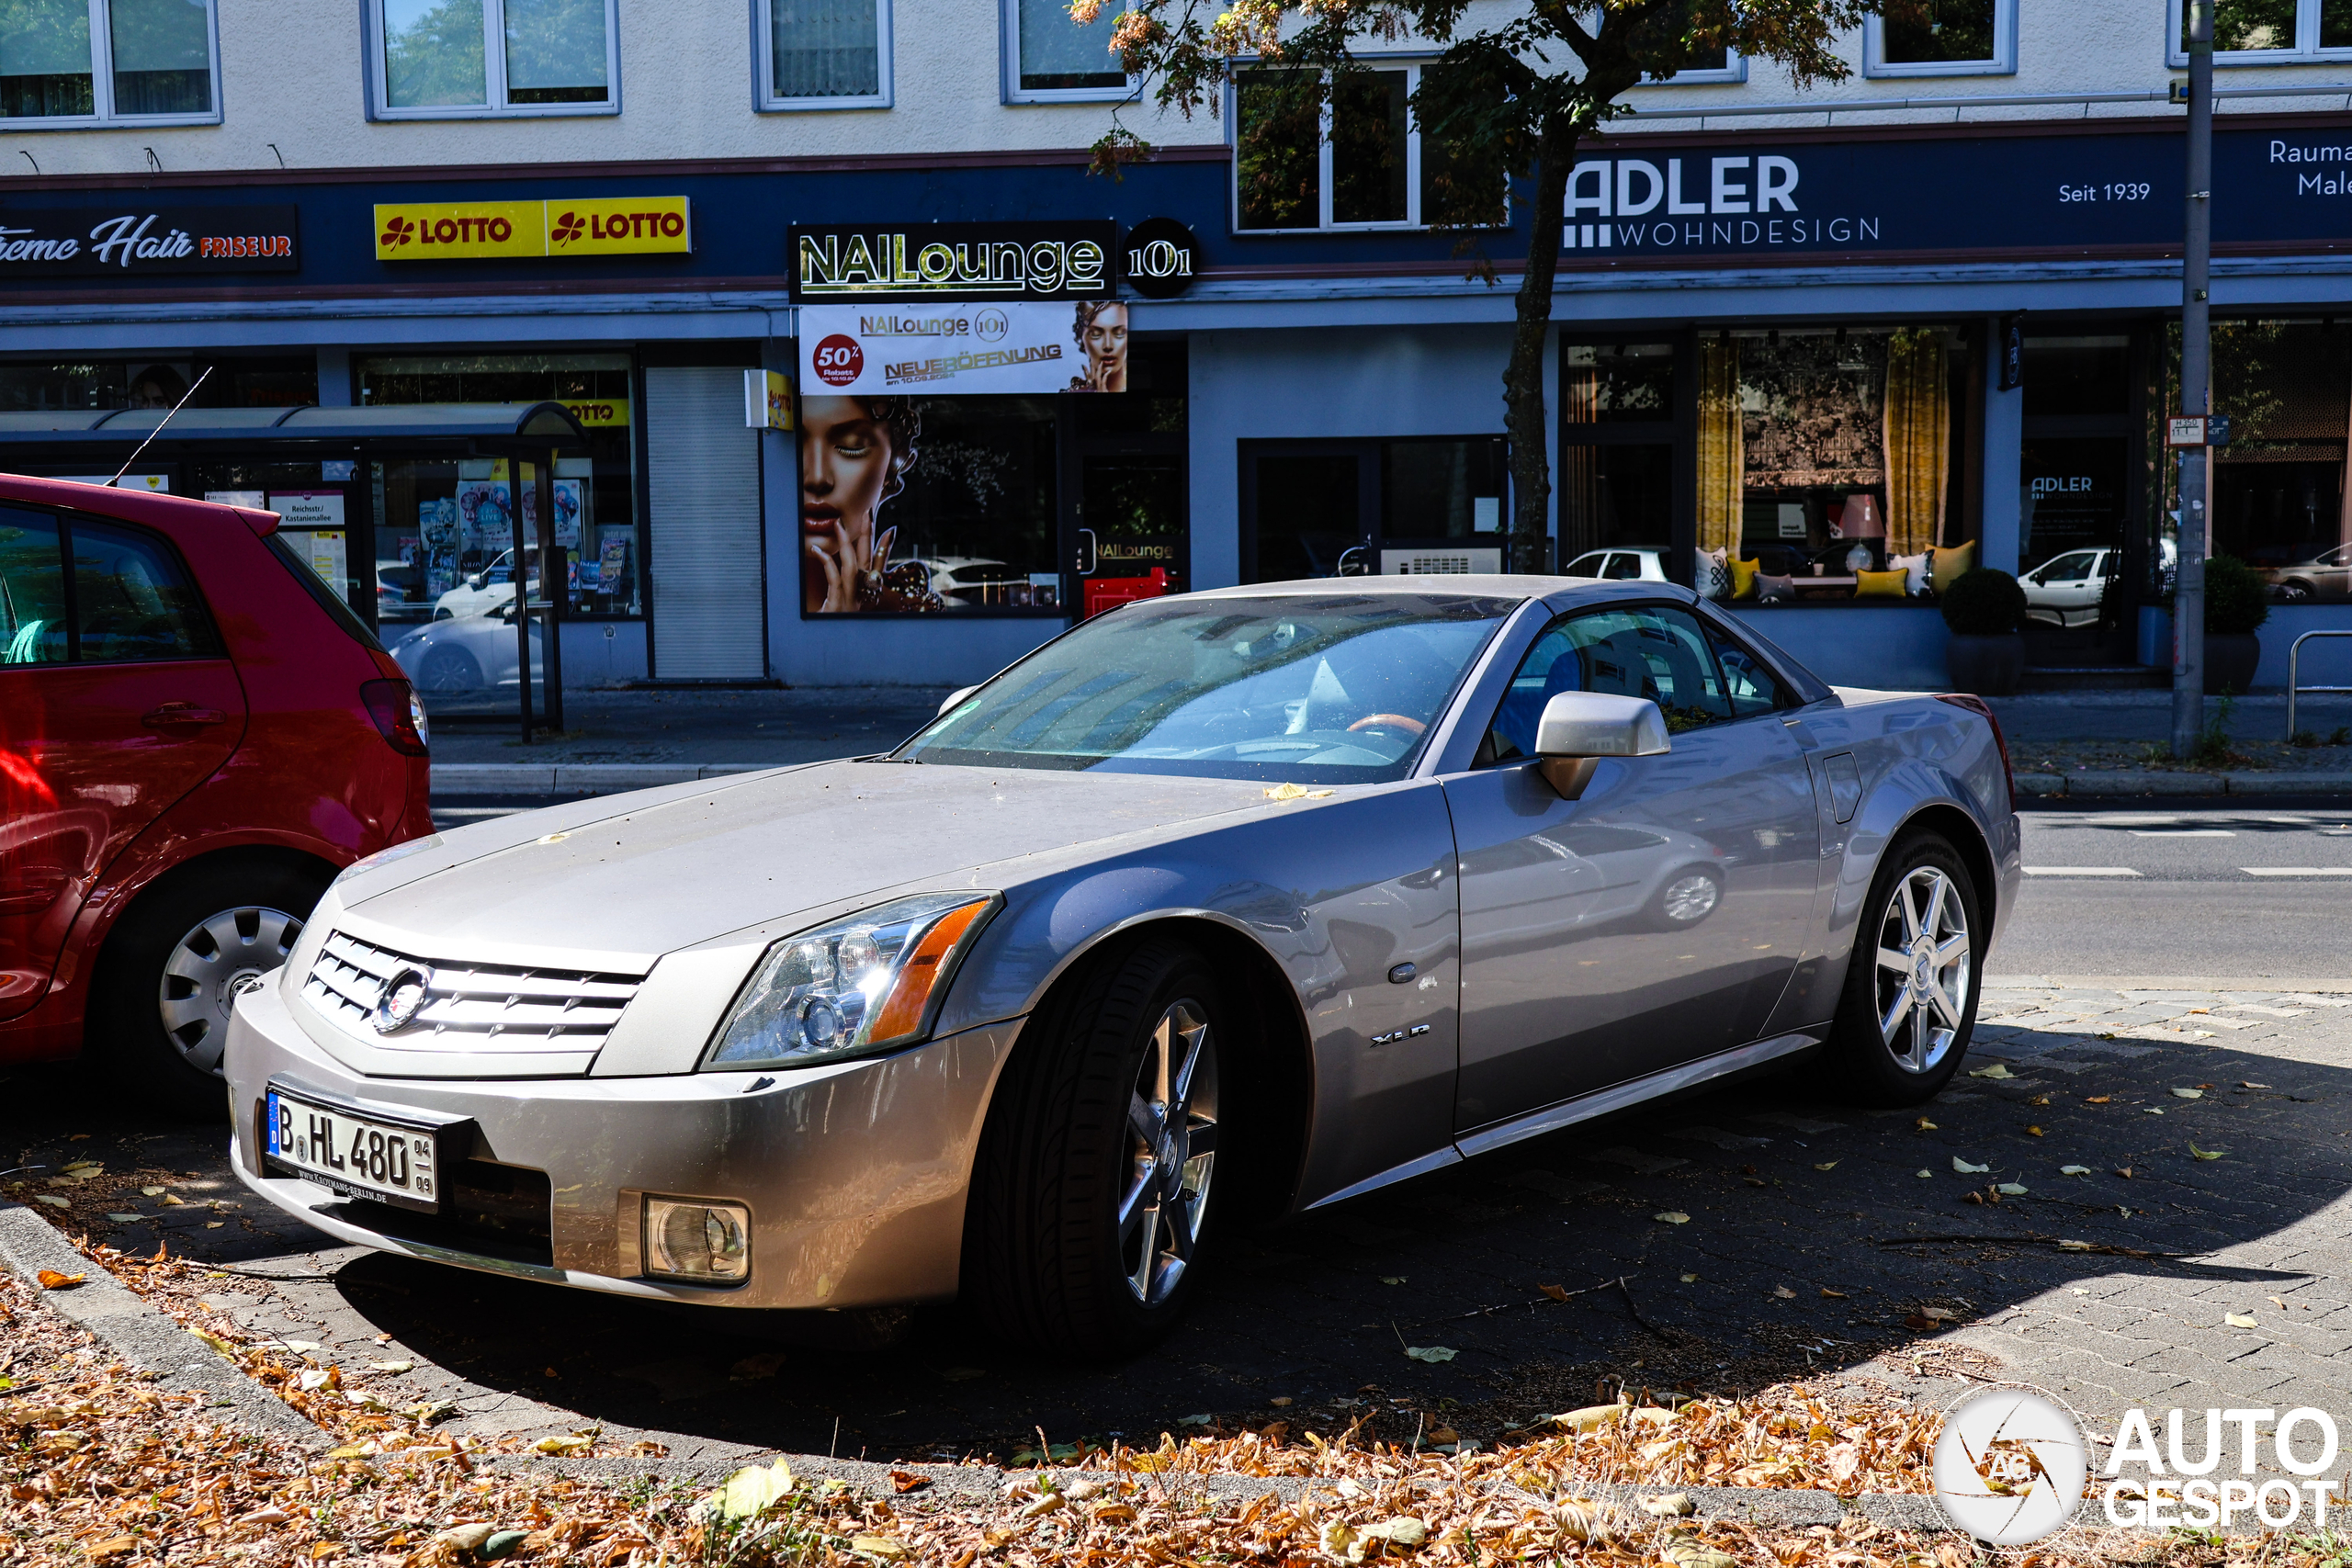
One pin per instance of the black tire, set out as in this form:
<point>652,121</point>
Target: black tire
<point>1047,1260</point>
<point>159,1001</point>
<point>1912,1062</point>
<point>1685,899</point>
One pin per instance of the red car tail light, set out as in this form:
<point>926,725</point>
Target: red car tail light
<point>400,717</point>
<point>1978,706</point>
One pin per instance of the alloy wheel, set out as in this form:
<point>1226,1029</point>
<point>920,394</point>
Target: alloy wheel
<point>220,959</point>
<point>1691,899</point>
<point>1924,969</point>
<point>1171,1128</point>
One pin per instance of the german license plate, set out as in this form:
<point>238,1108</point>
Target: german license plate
<point>352,1153</point>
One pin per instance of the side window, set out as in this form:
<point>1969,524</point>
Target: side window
<point>1652,652</point>
<point>32,589</point>
<point>132,600</point>
<point>1751,687</point>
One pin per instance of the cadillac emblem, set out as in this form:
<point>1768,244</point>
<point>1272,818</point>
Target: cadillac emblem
<point>403,999</point>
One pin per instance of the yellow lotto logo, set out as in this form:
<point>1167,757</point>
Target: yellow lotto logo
<point>460,230</point>
<point>596,414</point>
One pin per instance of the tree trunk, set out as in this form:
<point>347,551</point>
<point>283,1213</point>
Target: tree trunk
<point>1523,414</point>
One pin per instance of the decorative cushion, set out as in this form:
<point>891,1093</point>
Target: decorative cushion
<point>1880,584</point>
<point>1773,589</point>
<point>1914,570</point>
<point>1743,579</point>
<point>1711,577</point>
<point>1951,563</point>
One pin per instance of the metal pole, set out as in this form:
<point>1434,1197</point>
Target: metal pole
<point>2196,392</point>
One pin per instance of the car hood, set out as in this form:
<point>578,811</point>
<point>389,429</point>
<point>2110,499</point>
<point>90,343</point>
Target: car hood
<point>613,884</point>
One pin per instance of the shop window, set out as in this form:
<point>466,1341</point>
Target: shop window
<point>1941,37</point>
<point>935,506</point>
<point>2269,32</point>
<point>277,381</point>
<point>443,529</point>
<point>1617,383</point>
<point>66,62</point>
<point>2280,502</point>
<point>1823,454</point>
<point>1445,489</point>
<point>825,55</point>
<point>1616,467</point>
<point>1355,160</point>
<point>442,59</point>
<point>1050,59</point>
<point>2074,376</point>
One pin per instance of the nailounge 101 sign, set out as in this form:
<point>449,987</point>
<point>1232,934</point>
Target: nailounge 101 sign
<point>473,230</point>
<point>84,242</point>
<point>907,262</point>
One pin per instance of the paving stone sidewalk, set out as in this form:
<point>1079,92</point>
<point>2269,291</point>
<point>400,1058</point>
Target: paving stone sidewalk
<point>1819,1238</point>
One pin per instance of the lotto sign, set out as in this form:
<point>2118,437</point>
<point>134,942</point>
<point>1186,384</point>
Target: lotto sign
<point>592,226</point>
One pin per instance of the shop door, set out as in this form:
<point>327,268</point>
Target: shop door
<point>2070,551</point>
<point>1306,513</point>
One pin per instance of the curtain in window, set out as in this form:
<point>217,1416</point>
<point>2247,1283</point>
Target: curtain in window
<point>45,58</point>
<point>1723,477</point>
<point>1918,441</point>
<point>555,51</point>
<point>162,56</point>
<point>826,48</point>
<point>432,54</point>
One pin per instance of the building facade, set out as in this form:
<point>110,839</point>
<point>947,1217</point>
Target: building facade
<point>876,382</point>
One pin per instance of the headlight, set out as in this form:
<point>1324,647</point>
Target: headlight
<point>871,981</point>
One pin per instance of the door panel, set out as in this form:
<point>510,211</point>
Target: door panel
<point>93,749</point>
<point>1653,922</point>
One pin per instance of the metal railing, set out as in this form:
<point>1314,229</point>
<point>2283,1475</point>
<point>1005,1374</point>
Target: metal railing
<point>2294,652</point>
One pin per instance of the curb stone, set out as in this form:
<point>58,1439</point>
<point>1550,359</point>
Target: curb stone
<point>142,1335</point>
<point>2106,782</point>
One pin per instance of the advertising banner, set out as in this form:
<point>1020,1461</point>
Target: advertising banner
<point>964,349</point>
<point>767,399</point>
<point>594,226</point>
<point>140,242</point>
<point>929,261</point>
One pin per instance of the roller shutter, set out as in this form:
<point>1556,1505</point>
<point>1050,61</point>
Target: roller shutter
<point>703,483</point>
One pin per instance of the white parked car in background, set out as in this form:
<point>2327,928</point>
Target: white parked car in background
<point>1644,563</point>
<point>2065,590</point>
<point>484,590</point>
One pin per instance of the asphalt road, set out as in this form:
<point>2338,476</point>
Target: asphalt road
<point>2220,891</point>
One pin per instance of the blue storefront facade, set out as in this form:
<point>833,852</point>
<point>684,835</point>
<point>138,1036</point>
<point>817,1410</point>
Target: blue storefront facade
<point>1812,371</point>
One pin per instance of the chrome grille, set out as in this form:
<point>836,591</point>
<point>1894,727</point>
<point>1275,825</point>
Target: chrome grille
<point>476,1007</point>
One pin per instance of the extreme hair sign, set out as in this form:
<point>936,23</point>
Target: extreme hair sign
<point>1002,262</point>
<point>140,242</point>
<point>593,225</point>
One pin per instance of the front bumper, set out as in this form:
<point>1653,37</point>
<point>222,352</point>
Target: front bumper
<point>854,1174</point>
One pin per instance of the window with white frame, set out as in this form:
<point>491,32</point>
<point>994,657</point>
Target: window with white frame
<point>824,54</point>
<point>1721,64</point>
<point>66,62</point>
<point>1362,163</point>
<point>459,59</point>
<point>1941,37</point>
<point>1050,59</point>
<point>2269,32</point>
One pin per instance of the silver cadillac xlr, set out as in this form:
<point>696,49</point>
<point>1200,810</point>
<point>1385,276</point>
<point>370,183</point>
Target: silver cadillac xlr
<point>1247,900</point>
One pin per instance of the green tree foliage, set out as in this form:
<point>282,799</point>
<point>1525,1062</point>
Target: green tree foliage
<point>1517,85</point>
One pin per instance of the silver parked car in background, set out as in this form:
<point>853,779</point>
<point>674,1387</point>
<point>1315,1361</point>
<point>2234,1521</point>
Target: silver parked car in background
<point>1253,899</point>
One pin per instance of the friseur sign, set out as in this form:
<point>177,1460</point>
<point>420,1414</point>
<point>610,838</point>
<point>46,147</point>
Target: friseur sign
<point>1680,197</point>
<point>140,242</point>
<point>876,263</point>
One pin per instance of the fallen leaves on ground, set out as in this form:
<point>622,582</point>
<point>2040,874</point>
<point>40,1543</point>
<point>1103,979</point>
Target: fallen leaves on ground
<point>2238,1320</point>
<point>2196,1153</point>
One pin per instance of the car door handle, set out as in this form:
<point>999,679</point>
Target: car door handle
<point>172,715</point>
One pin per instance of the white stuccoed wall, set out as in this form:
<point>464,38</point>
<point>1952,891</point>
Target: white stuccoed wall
<point>292,75</point>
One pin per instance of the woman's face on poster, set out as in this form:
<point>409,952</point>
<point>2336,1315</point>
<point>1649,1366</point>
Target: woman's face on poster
<point>844,464</point>
<point>1107,341</point>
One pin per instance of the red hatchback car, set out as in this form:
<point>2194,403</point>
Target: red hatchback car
<point>196,736</point>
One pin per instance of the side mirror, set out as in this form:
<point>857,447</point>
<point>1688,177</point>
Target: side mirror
<point>953,698</point>
<point>1579,728</point>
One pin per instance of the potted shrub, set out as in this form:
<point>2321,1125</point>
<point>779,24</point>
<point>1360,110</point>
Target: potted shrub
<point>1986,654</point>
<point>2236,602</point>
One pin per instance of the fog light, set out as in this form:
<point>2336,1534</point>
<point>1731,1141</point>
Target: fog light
<point>697,1241</point>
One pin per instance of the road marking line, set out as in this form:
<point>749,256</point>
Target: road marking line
<point>2182,833</point>
<point>2297,870</point>
<point>2080,870</point>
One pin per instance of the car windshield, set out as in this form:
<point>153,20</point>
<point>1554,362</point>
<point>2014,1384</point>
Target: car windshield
<point>1333,688</point>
